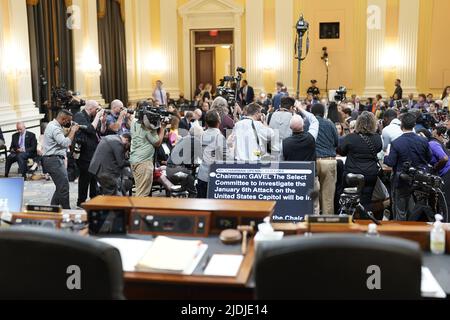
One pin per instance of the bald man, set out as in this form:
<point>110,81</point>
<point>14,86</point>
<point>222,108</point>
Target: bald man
<point>301,146</point>
<point>93,119</point>
<point>119,121</point>
<point>23,147</point>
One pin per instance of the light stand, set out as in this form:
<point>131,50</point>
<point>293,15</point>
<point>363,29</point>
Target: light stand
<point>327,64</point>
<point>302,28</point>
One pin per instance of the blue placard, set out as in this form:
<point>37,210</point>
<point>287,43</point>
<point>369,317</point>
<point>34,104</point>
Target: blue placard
<point>290,184</point>
<point>11,190</point>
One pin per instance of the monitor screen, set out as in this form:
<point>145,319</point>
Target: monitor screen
<point>11,189</point>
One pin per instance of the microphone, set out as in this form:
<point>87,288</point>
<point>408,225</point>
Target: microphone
<point>325,55</point>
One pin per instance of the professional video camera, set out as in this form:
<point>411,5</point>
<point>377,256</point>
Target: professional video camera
<point>341,94</point>
<point>66,99</point>
<point>350,200</point>
<point>229,87</point>
<point>427,192</point>
<point>152,117</point>
<point>302,26</point>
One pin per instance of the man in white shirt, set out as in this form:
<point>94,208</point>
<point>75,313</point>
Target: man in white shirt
<point>160,95</point>
<point>392,129</point>
<point>251,136</point>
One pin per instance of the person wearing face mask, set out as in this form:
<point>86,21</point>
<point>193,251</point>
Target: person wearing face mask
<point>94,119</point>
<point>54,154</point>
<point>109,161</point>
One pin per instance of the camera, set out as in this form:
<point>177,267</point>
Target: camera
<point>152,117</point>
<point>302,26</point>
<point>229,86</point>
<point>66,99</point>
<point>82,127</point>
<point>419,178</point>
<point>341,94</point>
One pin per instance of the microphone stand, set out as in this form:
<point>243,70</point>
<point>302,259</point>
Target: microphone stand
<point>327,77</point>
<point>299,47</point>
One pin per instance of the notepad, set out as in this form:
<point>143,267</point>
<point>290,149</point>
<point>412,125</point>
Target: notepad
<point>131,251</point>
<point>430,286</point>
<point>172,255</point>
<point>224,265</point>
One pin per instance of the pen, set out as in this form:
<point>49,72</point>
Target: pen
<point>206,262</point>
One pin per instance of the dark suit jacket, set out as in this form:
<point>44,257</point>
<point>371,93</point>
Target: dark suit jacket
<point>30,143</point>
<point>1,135</point>
<point>250,95</point>
<point>109,158</point>
<point>399,92</point>
<point>184,124</point>
<point>87,138</point>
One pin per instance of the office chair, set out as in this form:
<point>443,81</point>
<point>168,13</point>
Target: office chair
<point>37,264</point>
<point>332,267</point>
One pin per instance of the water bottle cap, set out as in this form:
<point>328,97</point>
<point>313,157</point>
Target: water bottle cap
<point>372,228</point>
<point>438,217</point>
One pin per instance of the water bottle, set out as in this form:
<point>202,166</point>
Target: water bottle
<point>78,224</point>
<point>5,215</point>
<point>372,232</point>
<point>437,237</point>
<point>66,223</point>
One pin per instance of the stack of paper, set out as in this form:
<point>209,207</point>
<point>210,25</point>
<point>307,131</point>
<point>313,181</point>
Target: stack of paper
<point>430,287</point>
<point>131,251</point>
<point>222,265</point>
<point>172,255</point>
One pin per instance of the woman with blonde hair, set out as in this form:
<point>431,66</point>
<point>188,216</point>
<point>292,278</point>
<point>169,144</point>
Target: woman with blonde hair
<point>220,105</point>
<point>361,149</point>
<point>207,93</point>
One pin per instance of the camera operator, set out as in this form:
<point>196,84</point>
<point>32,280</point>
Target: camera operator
<point>408,148</point>
<point>440,157</point>
<point>55,149</point>
<point>87,141</point>
<point>185,157</point>
<point>108,162</point>
<point>145,141</point>
<point>281,118</point>
<point>119,121</point>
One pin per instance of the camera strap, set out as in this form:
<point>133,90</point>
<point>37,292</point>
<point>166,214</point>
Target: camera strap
<point>371,146</point>
<point>255,132</point>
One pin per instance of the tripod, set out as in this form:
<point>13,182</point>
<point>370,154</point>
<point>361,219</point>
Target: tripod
<point>302,28</point>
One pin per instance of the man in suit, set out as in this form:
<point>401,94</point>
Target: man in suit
<point>186,124</point>
<point>109,161</point>
<point>246,93</point>
<point>88,140</point>
<point>23,147</point>
<point>398,94</point>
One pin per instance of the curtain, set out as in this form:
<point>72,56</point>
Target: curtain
<point>112,50</point>
<point>51,50</point>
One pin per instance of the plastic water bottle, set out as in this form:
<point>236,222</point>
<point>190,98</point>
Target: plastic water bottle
<point>78,223</point>
<point>66,223</point>
<point>5,215</point>
<point>372,232</point>
<point>437,237</point>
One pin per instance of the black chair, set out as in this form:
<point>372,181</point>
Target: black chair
<point>336,267</point>
<point>35,264</point>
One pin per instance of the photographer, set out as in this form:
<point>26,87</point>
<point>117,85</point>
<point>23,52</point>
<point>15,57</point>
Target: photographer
<point>185,157</point>
<point>94,123</point>
<point>108,162</point>
<point>440,158</point>
<point>145,140</point>
<point>119,121</point>
<point>408,148</point>
<point>55,149</point>
<point>251,137</point>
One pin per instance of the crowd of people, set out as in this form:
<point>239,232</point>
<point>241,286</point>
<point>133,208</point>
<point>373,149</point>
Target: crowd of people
<point>341,137</point>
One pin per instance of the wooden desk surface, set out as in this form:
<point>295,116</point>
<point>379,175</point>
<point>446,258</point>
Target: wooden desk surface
<point>249,206</point>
